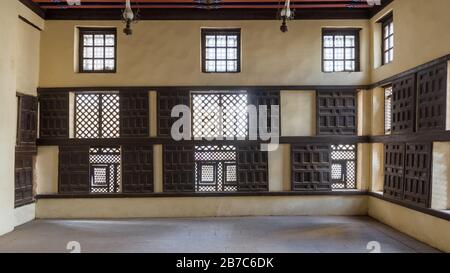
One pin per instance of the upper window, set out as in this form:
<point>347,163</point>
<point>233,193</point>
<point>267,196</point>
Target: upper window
<point>340,50</point>
<point>97,50</point>
<point>221,50</point>
<point>388,38</point>
<point>388,110</point>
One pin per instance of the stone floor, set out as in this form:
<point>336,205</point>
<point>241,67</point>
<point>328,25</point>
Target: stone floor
<point>245,234</point>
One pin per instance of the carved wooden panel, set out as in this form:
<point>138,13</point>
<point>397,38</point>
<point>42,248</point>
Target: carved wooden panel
<point>432,98</point>
<point>403,105</point>
<point>311,164</point>
<point>417,185</point>
<point>179,168</point>
<point>134,114</point>
<point>166,101</point>
<point>73,169</point>
<point>394,162</point>
<point>23,180</point>
<point>252,168</point>
<point>137,170</point>
<point>268,98</point>
<point>54,115</point>
<point>336,113</point>
<point>27,121</point>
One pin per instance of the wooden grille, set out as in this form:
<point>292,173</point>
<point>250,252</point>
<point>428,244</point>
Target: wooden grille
<point>27,121</point>
<point>432,97</point>
<point>97,115</point>
<point>166,101</point>
<point>403,105</point>
<point>73,169</point>
<point>336,113</point>
<point>137,169</point>
<point>343,166</point>
<point>23,180</point>
<point>311,167</point>
<point>252,168</point>
<point>417,186</point>
<point>269,98</point>
<point>394,162</point>
<point>54,115</point>
<point>105,171</point>
<point>179,168</point>
<point>215,168</point>
<point>134,114</point>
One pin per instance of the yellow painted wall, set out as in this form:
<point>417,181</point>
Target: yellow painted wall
<point>420,35</point>
<point>168,53</point>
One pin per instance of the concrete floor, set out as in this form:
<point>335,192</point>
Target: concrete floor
<point>245,234</point>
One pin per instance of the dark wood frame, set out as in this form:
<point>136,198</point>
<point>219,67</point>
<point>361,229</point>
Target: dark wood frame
<point>386,20</point>
<point>221,31</point>
<point>103,31</point>
<point>344,32</point>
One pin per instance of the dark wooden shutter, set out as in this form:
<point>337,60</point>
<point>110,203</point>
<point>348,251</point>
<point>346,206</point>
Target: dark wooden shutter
<point>73,169</point>
<point>269,98</point>
<point>394,162</point>
<point>137,170</point>
<point>252,168</point>
<point>23,180</point>
<point>311,164</point>
<point>336,112</point>
<point>27,121</point>
<point>134,114</point>
<point>432,98</point>
<point>166,101</point>
<point>403,105</point>
<point>417,185</point>
<point>179,168</point>
<point>54,115</point>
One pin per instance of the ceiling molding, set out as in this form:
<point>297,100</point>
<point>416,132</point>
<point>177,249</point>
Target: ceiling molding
<point>34,7</point>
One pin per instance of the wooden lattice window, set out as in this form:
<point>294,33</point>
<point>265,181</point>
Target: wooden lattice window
<point>27,120</point>
<point>97,50</point>
<point>73,169</point>
<point>343,166</point>
<point>311,167</point>
<point>105,170</point>
<point>252,168</point>
<point>215,169</point>
<point>417,185</point>
<point>54,115</point>
<point>388,110</point>
<point>403,105</point>
<point>432,98</point>
<point>23,180</point>
<point>137,168</point>
<point>97,115</point>
<point>134,114</point>
<point>394,165</point>
<point>221,50</point>
<point>268,98</point>
<point>340,50</point>
<point>388,38</point>
<point>178,168</point>
<point>221,114</point>
<point>336,112</point>
<point>166,101</point>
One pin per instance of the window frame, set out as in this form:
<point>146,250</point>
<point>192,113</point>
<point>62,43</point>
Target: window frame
<point>344,32</point>
<point>93,31</point>
<point>385,21</point>
<point>221,31</point>
<point>384,113</point>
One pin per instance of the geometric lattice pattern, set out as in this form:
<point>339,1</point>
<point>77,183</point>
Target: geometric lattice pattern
<point>97,50</point>
<point>417,186</point>
<point>388,110</point>
<point>403,105</point>
<point>267,98</point>
<point>97,116</point>
<point>311,167</point>
<point>23,180</point>
<point>336,111</point>
<point>340,50</point>
<point>343,166</point>
<point>431,98</point>
<point>252,168</point>
<point>166,101</point>
<point>215,168</point>
<point>221,50</point>
<point>220,115</point>
<point>54,115</point>
<point>178,168</point>
<point>27,121</point>
<point>394,165</point>
<point>137,170</point>
<point>134,114</point>
<point>105,172</point>
<point>73,169</point>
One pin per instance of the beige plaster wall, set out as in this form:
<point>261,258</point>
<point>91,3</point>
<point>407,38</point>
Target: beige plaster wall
<point>441,176</point>
<point>364,99</point>
<point>201,206</point>
<point>298,113</point>
<point>363,173</point>
<point>47,169</point>
<point>279,168</point>
<point>377,112</point>
<point>428,229</point>
<point>168,53</point>
<point>420,35</point>
<point>377,167</point>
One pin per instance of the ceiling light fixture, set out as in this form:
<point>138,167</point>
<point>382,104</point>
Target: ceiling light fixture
<point>286,14</point>
<point>129,17</point>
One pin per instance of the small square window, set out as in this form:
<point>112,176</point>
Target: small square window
<point>340,50</point>
<point>97,50</point>
<point>221,50</point>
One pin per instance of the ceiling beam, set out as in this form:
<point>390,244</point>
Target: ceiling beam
<point>34,7</point>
